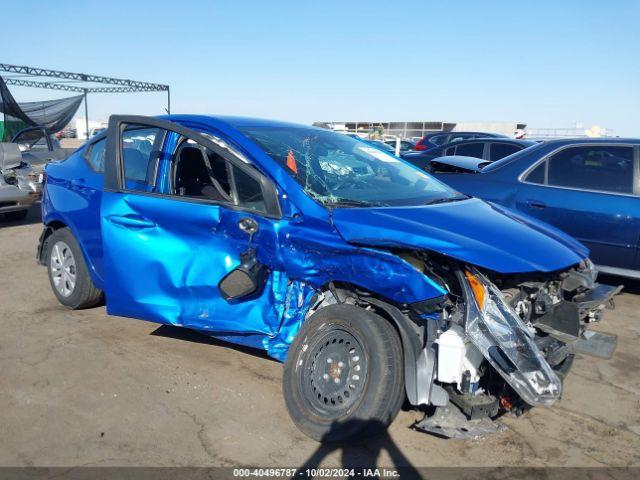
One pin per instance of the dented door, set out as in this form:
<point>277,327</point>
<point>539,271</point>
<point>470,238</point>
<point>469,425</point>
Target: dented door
<point>165,254</point>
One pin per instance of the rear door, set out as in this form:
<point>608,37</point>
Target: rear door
<point>591,192</point>
<point>172,213</point>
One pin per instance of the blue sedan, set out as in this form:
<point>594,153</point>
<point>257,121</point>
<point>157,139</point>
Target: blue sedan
<point>590,188</point>
<point>341,260</point>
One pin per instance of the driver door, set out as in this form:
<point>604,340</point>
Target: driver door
<point>172,216</point>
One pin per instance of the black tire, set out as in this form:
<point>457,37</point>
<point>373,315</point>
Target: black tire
<point>84,294</point>
<point>323,400</point>
<point>18,215</point>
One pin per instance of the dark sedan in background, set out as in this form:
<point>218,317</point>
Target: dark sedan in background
<point>590,188</point>
<point>436,139</point>
<point>489,149</point>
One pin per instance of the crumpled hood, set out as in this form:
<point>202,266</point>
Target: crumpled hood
<point>473,231</point>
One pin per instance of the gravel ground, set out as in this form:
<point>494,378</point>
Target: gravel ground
<point>82,388</point>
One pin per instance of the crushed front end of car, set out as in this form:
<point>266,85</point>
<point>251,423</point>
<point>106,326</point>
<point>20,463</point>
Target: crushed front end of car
<point>20,184</point>
<point>504,342</point>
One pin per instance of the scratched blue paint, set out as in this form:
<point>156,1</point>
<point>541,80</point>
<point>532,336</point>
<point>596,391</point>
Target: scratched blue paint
<point>169,272</point>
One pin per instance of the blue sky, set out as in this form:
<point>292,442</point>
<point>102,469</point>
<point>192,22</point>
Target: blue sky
<point>548,63</point>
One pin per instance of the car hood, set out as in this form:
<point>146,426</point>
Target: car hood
<point>472,231</point>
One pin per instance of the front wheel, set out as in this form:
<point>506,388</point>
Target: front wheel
<point>68,272</point>
<point>343,377</point>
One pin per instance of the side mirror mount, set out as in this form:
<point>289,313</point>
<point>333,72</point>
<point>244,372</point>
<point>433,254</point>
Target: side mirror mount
<point>246,280</point>
<point>249,226</point>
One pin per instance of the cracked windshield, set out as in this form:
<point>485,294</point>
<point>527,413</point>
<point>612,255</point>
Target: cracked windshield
<point>340,171</point>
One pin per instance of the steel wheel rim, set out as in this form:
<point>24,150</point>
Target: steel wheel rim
<point>333,374</point>
<point>63,268</point>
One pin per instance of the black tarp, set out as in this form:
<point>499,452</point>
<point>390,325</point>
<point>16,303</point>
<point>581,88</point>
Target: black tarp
<point>52,114</point>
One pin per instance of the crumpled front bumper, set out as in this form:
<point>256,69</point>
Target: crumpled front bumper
<point>531,363</point>
<point>568,321</point>
<point>14,199</point>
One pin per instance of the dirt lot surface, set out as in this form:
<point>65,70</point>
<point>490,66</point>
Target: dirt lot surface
<point>82,388</point>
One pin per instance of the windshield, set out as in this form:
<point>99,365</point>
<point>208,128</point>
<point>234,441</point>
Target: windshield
<point>337,170</point>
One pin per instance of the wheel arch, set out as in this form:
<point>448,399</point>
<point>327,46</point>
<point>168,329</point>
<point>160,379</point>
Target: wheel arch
<point>48,230</point>
<point>416,338</point>
<point>56,222</point>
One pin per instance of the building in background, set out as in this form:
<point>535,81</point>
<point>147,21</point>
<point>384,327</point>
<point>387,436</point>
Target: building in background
<point>510,129</point>
<point>576,131</point>
<point>419,129</point>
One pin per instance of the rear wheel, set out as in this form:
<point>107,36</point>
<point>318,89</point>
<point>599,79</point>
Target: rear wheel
<point>68,272</point>
<point>343,377</point>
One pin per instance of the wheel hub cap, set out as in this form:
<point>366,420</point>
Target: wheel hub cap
<point>333,373</point>
<point>63,268</point>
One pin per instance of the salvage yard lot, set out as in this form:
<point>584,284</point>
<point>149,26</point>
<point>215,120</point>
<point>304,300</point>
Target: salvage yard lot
<point>82,388</point>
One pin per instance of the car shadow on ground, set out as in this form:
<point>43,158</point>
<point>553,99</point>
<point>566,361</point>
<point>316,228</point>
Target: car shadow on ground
<point>33,216</point>
<point>359,456</point>
<point>181,333</point>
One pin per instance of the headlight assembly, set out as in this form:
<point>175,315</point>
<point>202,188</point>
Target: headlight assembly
<point>502,337</point>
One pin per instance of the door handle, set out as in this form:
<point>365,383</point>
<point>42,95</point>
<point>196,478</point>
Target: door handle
<point>131,221</point>
<point>80,182</point>
<point>536,204</point>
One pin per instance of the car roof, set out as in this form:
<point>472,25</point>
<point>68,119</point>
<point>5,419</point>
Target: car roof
<point>236,122</point>
<point>611,140</point>
<point>450,132</point>
<point>515,141</point>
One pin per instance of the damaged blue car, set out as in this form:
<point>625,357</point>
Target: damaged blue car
<point>372,281</point>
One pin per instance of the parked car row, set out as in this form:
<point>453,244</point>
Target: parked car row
<point>373,281</point>
<point>488,149</point>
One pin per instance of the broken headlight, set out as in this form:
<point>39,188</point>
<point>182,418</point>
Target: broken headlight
<point>502,337</point>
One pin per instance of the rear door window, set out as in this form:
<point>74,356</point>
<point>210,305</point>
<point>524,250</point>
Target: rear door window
<point>95,155</point>
<point>471,149</point>
<point>601,168</point>
<point>501,150</point>
<point>537,175</point>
